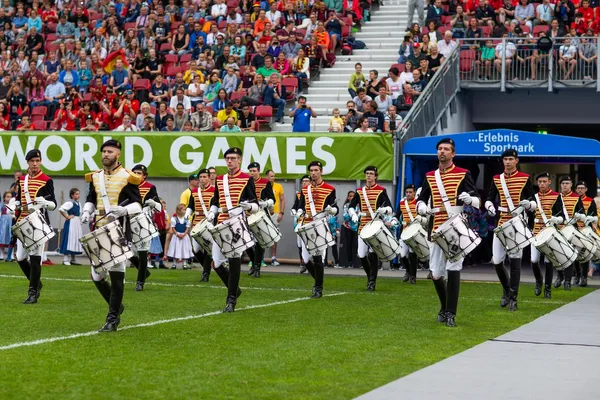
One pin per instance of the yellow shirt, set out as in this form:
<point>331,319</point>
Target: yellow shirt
<point>222,115</point>
<point>187,77</point>
<point>278,191</point>
<point>336,123</point>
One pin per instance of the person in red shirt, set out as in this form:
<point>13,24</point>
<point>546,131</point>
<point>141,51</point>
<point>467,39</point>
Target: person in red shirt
<point>25,125</point>
<point>587,13</point>
<point>133,102</point>
<point>84,112</point>
<point>579,25</point>
<point>118,109</point>
<point>89,125</point>
<point>98,90</point>
<point>64,118</point>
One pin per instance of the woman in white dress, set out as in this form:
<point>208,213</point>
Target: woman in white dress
<point>71,233</point>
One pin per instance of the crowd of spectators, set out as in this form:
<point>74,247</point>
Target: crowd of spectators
<point>134,65</point>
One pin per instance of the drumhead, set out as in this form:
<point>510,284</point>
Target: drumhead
<point>410,231</point>
<point>371,229</point>
<point>544,236</point>
<point>254,218</point>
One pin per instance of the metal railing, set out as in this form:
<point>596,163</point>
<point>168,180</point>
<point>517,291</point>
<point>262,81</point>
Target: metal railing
<point>513,63</point>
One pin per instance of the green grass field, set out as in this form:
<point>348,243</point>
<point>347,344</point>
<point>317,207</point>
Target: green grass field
<point>337,347</point>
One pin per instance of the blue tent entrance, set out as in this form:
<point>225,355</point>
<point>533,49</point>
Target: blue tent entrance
<point>419,154</point>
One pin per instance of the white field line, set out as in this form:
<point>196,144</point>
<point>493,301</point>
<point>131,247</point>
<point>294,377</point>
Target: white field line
<point>153,323</point>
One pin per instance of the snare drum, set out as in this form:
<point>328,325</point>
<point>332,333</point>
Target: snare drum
<point>568,231</point>
<point>379,238</point>
<point>201,234</point>
<point>316,236</point>
<point>584,245</point>
<point>415,237</point>
<point>456,238</point>
<point>555,247</point>
<point>142,229</point>
<point>589,232</point>
<point>233,236</point>
<point>33,230</point>
<point>106,246</point>
<point>514,234</point>
<point>264,230</point>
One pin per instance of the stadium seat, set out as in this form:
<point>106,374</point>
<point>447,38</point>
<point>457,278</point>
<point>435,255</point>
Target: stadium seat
<point>130,25</point>
<point>165,47</point>
<point>175,25</point>
<point>171,58</point>
<point>39,125</point>
<point>539,28</point>
<point>37,117</point>
<point>186,58</point>
<point>142,84</point>
<point>467,61</point>
<point>39,110</point>
<point>262,113</point>
<point>173,70</point>
<point>291,87</point>
<point>236,95</point>
<point>399,66</point>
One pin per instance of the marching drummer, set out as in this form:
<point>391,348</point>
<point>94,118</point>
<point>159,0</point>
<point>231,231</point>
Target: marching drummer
<point>34,192</point>
<point>407,213</point>
<point>571,205</point>
<point>448,188</point>
<point>150,202</point>
<point>113,191</point>
<point>514,191</point>
<point>369,197</point>
<point>233,190</point>
<point>198,206</point>
<point>293,211</point>
<point>316,199</point>
<point>266,200</point>
<point>588,217</point>
<point>549,211</point>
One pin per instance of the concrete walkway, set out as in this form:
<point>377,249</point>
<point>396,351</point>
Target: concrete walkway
<point>554,357</point>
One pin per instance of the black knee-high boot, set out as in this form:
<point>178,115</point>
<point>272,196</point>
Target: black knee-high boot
<point>503,277</point>
<point>117,288</point>
<point>199,256</point>
<point>364,261</point>
<point>206,260</point>
<point>233,284</point>
<point>453,292</point>
<point>35,273</point>
<point>585,268</point>
<point>310,266</point>
<point>142,267</point>
<point>319,269</point>
<point>549,274</point>
<point>104,288</point>
<point>568,275</point>
<point>440,289</point>
<point>25,267</point>
<point>576,272</point>
<point>412,262</point>
<point>259,253</point>
<point>407,268</point>
<point>374,263</point>
<point>250,253</point>
<point>223,274</point>
<point>537,273</point>
<point>515,280</point>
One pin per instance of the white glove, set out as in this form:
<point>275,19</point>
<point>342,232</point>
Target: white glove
<point>210,216</point>
<point>526,204</point>
<point>517,211</point>
<point>354,218</point>
<point>421,219</point>
<point>580,217</point>
<point>423,209</point>
<point>556,220</point>
<point>572,221</point>
<point>147,210</point>
<point>154,204</point>
<point>590,220</point>
<point>263,203</point>
<point>85,217</point>
<point>299,213</point>
<point>331,210</point>
<point>188,213</point>
<point>394,222</point>
<point>119,211</point>
<point>270,203</point>
<point>42,202</point>
<point>489,206</point>
<point>12,205</point>
<point>465,198</point>
<point>293,213</point>
<point>384,210</point>
<point>246,206</point>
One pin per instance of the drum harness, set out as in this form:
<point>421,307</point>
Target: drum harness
<point>542,213</point>
<point>450,210</point>
<point>202,200</point>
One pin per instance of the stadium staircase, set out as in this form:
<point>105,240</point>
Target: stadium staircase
<point>382,35</point>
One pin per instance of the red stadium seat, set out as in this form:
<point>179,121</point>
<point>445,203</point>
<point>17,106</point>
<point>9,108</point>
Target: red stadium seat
<point>542,28</point>
<point>291,87</point>
<point>262,113</point>
<point>172,71</point>
<point>399,66</point>
<point>37,117</point>
<point>39,125</point>
<point>467,61</point>
<point>130,25</point>
<point>237,95</point>
<point>186,58</point>
<point>142,84</point>
<point>175,25</point>
<point>171,58</point>
<point>165,47</point>
<point>39,110</point>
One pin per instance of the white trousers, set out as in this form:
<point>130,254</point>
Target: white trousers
<point>499,252</point>
<point>306,256</point>
<point>439,264</point>
<point>535,254</point>
<point>404,249</point>
<point>22,253</point>
<point>195,246</point>
<point>217,255</point>
<point>363,248</point>
<point>103,274</point>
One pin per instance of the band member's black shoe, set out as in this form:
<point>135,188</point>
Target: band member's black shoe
<point>139,286</point>
<point>538,288</point>
<point>450,320</point>
<point>257,273</point>
<point>229,308</point>
<point>412,280</point>
<point>406,277</point>
<point>441,317</point>
<point>559,279</point>
<point>32,297</point>
<point>504,300</point>
<point>37,294</point>
<point>74,263</point>
<point>317,292</point>
<point>512,305</point>
<point>303,269</point>
<point>583,281</point>
<point>205,276</point>
<point>112,320</point>
<point>162,266</point>
<point>251,271</point>
<point>108,327</point>
<point>567,286</point>
<point>548,291</point>
<point>576,281</point>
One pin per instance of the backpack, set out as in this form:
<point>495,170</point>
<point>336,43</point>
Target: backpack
<point>346,50</point>
<point>356,44</point>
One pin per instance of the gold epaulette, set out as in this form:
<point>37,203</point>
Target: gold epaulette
<point>89,175</point>
<point>134,179</point>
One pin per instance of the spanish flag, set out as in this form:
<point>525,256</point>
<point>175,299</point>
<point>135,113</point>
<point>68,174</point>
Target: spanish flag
<point>109,63</point>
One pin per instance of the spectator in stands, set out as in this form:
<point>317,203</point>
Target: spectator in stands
<point>425,72</point>
<point>361,98</point>
<point>65,117</point>
<point>525,14</point>
<point>406,48</point>
<point>119,77</point>
<point>54,92</point>
<point>68,76</point>
<point>89,124</point>
<point>564,12</point>
<point>473,32</point>
<point>417,55</point>
<point>407,76</point>
<point>274,96</point>
<point>246,120</point>
<point>556,30</point>
<point>230,126</point>
<point>159,91</point>
<point>160,120</point>
<point>301,115</point>
<point>507,51</point>
<point>352,115</point>
<point>256,92</point>
<point>35,92</point>
<point>357,80</point>
<point>4,117</point>
<point>291,48</point>
<point>394,84</point>
<point>201,120</point>
<point>334,29</point>
<point>376,118</point>
<point>282,65</point>
<point>484,64</point>
<point>196,90</point>
<point>126,126</point>
<point>416,87</point>
<point>180,42</point>
<point>544,13</point>
<point>485,14</point>
<point>227,112</point>
<point>435,59</point>
<point>65,31</point>
<point>258,60</point>
<point>418,6</point>
<point>212,88</point>
<point>336,124</point>
<point>587,12</point>
<point>459,23</point>
<point>374,84</point>
<point>18,104</point>
<point>363,126</point>
<point>140,120</point>
<point>392,120</point>
<point>524,59</point>
<point>446,46</point>
<point>505,13</point>
<point>435,12</point>
<point>180,117</point>
<point>25,124</point>
<point>267,69</point>
<point>567,54</point>
<point>180,98</point>
<point>588,58</point>
<point>433,35</point>
<point>170,125</point>
<point>383,100</point>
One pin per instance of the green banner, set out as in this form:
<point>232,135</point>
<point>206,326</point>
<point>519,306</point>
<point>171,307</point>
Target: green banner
<point>344,156</point>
